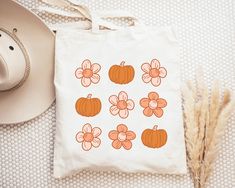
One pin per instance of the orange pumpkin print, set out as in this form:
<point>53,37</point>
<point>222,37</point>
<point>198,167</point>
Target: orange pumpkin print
<point>121,105</point>
<point>122,137</point>
<point>88,73</point>
<point>121,74</point>
<point>154,138</point>
<point>153,72</point>
<point>153,105</point>
<point>89,137</point>
<point>88,106</point>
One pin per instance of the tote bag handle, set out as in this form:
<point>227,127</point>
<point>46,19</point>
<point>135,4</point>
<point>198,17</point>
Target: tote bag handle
<point>91,19</point>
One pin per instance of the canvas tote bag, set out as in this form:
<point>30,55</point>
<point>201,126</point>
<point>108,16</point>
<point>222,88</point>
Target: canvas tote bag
<point>118,101</point>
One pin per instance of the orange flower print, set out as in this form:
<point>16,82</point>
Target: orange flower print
<point>89,137</point>
<point>153,105</point>
<point>88,73</point>
<point>121,105</point>
<point>153,72</point>
<point>122,137</point>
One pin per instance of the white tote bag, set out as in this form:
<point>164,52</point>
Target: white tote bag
<point>118,100</point>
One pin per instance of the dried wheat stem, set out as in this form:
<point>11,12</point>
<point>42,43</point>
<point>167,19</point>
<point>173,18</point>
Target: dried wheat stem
<point>204,119</point>
<point>211,150</point>
<point>191,133</point>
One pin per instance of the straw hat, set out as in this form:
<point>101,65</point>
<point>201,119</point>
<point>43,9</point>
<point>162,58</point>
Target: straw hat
<point>26,64</point>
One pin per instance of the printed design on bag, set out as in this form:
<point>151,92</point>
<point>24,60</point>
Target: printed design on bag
<point>88,106</point>
<point>122,137</point>
<point>121,74</point>
<point>153,72</point>
<point>88,73</point>
<point>154,138</point>
<point>89,137</point>
<point>153,105</point>
<point>121,105</point>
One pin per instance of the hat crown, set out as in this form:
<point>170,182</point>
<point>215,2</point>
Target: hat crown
<point>12,62</point>
<point>3,71</point>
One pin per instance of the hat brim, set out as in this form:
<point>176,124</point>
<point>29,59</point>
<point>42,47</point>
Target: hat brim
<point>37,93</point>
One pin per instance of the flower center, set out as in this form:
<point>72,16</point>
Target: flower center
<point>154,72</point>
<point>122,136</point>
<point>87,73</point>
<point>88,137</point>
<point>122,105</point>
<point>153,104</point>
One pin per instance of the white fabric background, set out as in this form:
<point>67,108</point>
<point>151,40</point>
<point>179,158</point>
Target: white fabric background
<point>206,34</point>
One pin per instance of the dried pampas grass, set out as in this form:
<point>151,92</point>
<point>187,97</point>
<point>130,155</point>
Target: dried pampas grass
<point>205,118</point>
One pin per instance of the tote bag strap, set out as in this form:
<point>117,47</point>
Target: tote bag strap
<point>90,19</point>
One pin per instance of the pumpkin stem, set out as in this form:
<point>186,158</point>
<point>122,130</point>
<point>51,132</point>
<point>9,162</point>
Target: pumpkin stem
<point>155,127</point>
<point>122,63</point>
<point>89,96</point>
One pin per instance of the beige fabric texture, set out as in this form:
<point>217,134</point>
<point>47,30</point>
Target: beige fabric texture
<point>206,35</point>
